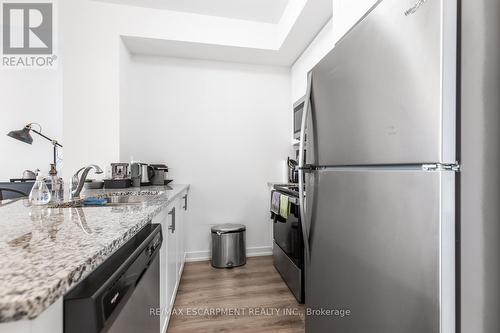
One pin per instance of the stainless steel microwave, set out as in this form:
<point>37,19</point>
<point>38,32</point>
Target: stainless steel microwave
<point>298,108</point>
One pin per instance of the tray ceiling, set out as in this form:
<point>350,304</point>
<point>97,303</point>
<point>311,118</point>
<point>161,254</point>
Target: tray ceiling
<point>268,11</point>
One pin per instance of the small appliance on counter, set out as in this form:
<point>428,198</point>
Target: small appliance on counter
<point>147,173</point>
<point>135,174</point>
<point>141,174</point>
<point>119,177</point>
<point>119,170</point>
<point>117,183</point>
<point>28,176</point>
<point>160,174</point>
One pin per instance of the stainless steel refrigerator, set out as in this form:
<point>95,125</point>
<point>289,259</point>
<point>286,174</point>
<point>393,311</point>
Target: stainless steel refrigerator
<point>379,133</point>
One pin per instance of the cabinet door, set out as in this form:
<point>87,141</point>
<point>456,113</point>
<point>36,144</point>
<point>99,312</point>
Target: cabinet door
<point>181,234</point>
<point>161,218</point>
<point>185,209</point>
<point>172,272</point>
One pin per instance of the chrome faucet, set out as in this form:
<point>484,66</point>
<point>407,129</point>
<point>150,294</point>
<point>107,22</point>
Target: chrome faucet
<point>77,183</point>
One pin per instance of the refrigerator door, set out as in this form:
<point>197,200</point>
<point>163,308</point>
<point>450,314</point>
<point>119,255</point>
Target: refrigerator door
<point>382,247</point>
<point>386,93</point>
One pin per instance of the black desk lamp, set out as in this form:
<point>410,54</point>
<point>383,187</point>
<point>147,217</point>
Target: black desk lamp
<point>25,136</point>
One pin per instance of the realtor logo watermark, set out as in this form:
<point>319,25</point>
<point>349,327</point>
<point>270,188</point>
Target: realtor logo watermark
<point>28,34</point>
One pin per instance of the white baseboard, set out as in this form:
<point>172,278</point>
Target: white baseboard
<point>251,252</point>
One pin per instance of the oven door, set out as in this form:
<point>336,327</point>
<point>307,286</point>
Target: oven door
<point>288,234</point>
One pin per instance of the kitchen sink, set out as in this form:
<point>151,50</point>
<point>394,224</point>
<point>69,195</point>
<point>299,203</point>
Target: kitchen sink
<point>113,199</point>
<point>128,199</point>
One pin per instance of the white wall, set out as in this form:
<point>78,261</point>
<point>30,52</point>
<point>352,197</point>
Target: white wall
<point>221,127</point>
<point>318,48</point>
<point>91,84</point>
<point>345,14</point>
<point>92,31</point>
<point>29,95</point>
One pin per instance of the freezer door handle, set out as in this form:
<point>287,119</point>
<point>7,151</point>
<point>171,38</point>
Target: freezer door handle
<point>303,167</point>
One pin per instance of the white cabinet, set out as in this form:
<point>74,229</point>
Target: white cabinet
<point>171,235</point>
<point>181,236</point>
<point>162,218</point>
<point>172,254</point>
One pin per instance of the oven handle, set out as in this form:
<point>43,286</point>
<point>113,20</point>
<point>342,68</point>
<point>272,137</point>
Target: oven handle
<point>302,143</point>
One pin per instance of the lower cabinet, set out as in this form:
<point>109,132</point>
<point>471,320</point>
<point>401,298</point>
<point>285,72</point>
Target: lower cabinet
<point>181,235</point>
<point>164,303</point>
<point>172,254</point>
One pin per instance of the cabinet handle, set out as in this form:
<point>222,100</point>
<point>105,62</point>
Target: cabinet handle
<point>172,226</point>
<point>185,202</point>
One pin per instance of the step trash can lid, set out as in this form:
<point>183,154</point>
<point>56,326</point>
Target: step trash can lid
<point>228,228</point>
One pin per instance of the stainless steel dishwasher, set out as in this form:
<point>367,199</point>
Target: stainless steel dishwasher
<point>123,293</point>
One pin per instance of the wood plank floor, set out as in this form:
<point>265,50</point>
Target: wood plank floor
<point>252,298</point>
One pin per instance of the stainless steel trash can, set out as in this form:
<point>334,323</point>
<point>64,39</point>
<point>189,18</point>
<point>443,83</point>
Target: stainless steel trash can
<point>228,245</point>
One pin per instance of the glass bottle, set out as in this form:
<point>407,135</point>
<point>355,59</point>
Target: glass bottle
<point>40,194</point>
<point>56,185</point>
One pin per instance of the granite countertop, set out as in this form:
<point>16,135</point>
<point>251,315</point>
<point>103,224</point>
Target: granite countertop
<point>46,251</point>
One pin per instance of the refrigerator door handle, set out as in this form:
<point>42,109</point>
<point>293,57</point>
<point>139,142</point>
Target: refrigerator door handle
<point>302,167</point>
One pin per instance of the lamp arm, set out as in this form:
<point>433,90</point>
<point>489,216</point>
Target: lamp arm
<point>54,142</point>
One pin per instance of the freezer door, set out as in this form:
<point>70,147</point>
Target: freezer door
<point>382,248</point>
<point>386,93</point>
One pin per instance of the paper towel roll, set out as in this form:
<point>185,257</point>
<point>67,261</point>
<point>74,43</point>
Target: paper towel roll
<point>284,171</point>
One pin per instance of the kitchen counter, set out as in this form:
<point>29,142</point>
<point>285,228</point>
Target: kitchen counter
<point>45,251</point>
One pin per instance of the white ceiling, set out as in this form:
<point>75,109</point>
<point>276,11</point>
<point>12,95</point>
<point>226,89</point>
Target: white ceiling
<point>188,35</point>
<point>268,11</point>
<point>297,35</point>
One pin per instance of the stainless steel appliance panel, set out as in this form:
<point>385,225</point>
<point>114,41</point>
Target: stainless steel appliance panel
<point>289,271</point>
<point>382,246</point>
<point>118,296</point>
<point>480,172</point>
<point>136,315</point>
<point>386,93</point>
<point>287,234</point>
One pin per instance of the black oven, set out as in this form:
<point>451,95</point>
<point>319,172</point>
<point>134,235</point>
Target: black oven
<point>288,247</point>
